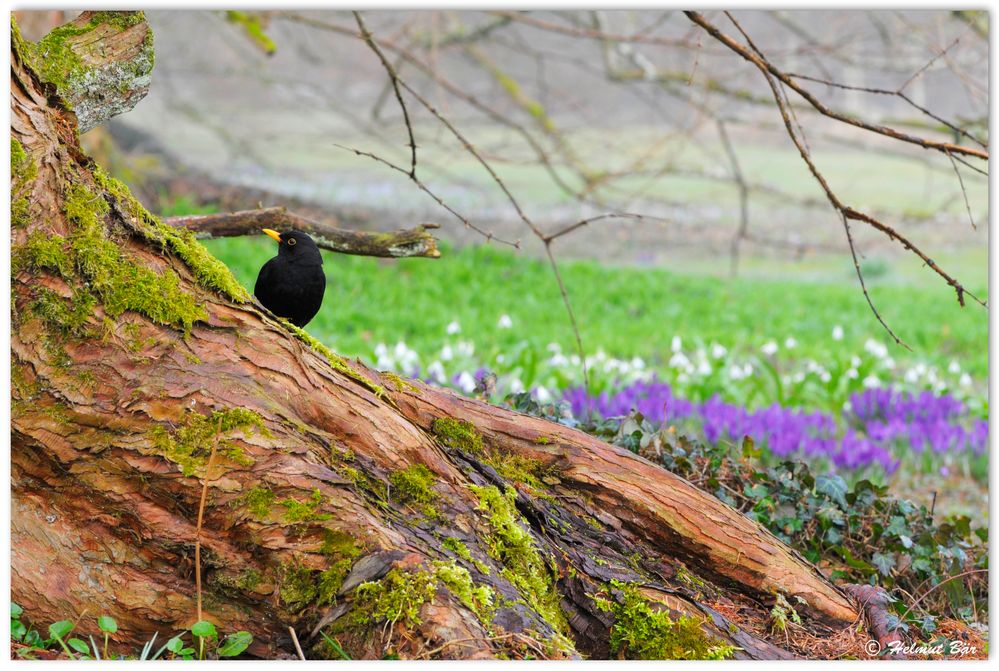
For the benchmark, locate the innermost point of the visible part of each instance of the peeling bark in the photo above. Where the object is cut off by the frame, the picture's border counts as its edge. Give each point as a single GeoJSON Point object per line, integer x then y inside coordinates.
{"type": "Point", "coordinates": [395, 516]}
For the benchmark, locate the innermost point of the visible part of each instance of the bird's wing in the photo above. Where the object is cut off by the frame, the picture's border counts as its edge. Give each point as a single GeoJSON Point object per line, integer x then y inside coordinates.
{"type": "Point", "coordinates": [264, 278]}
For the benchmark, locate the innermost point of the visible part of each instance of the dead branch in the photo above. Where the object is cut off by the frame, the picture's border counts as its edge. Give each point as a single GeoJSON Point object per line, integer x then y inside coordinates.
{"type": "Point", "coordinates": [415, 241]}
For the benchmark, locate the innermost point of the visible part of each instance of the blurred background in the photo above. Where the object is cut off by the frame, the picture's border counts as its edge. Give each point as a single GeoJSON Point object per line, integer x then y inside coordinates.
{"type": "Point", "coordinates": [720, 298]}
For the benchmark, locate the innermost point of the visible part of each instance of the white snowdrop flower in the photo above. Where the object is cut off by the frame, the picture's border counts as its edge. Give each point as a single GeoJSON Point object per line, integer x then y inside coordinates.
{"type": "Point", "coordinates": [931, 376]}
{"type": "Point", "coordinates": [790, 343]}
{"type": "Point", "coordinates": [679, 360]}
{"type": "Point", "coordinates": [465, 348]}
{"type": "Point", "coordinates": [574, 359]}
{"type": "Point", "coordinates": [543, 395]}
{"type": "Point", "coordinates": [682, 378]}
{"type": "Point", "coordinates": [466, 382]}
{"type": "Point", "coordinates": [889, 363]}
{"type": "Point", "coordinates": [852, 374]}
{"type": "Point", "coordinates": [798, 377]}
{"type": "Point", "coordinates": [876, 348]}
{"type": "Point", "coordinates": [436, 371]}
{"type": "Point", "coordinates": [558, 360]}
{"type": "Point", "coordinates": [871, 381]}
{"type": "Point", "coordinates": [965, 380]}
{"type": "Point", "coordinates": [554, 347]}
{"type": "Point", "coordinates": [837, 332]}
{"type": "Point", "coordinates": [703, 368]}
{"type": "Point", "coordinates": [637, 364]}
{"type": "Point", "coordinates": [500, 358]}
{"type": "Point", "coordinates": [385, 363]}
{"type": "Point", "coordinates": [769, 348]}
{"type": "Point", "coordinates": [381, 349]}
{"type": "Point", "coordinates": [718, 351]}
{"type": "Point", "coordinates": [447, 353]}
{"type": "Point", "coordinates": [825, 376]}
{"type": "Point", "coordinates": [911, 375]}
{"type": "Point", "coordinates": [855, 361]}
{"type": "Point", "coordinates": [954, 367]}
{"type": "Point", "coordinates": [847, 407]}
{"type": "Point", "coordinates": [453, 328]}
{"type": "Point", "coordinates": [516, 386]}
{"type": "Point", "coordinates": [735, 373]}
{"type": "Point", "coordinates": [747, 370]}
{"type": "Point", "coordinates": [677, 344]}
{"type": "Point", "coordinates": [505, 322]}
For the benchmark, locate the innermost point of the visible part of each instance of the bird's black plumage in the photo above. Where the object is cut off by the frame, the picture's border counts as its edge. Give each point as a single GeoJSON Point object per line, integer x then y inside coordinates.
{"type": "Point", "coordinates": [292, 284]}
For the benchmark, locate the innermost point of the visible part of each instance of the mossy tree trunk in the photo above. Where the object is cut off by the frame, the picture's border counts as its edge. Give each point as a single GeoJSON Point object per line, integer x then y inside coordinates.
{"type": "Point", "coordinates": [395, 517]}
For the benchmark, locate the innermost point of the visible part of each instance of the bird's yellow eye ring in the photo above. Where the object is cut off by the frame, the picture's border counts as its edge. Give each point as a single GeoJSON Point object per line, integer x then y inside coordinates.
{"type": "Point", "coordinates": [292, 242]}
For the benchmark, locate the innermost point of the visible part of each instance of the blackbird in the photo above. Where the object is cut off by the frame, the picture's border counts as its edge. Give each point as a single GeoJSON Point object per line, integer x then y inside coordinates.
{"type": "Point", "coordinates": [292, 284]}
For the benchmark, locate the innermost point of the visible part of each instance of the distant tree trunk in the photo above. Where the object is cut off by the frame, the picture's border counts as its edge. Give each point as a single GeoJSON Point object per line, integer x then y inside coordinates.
{"type": "Point", "coordinates": [141, 369]}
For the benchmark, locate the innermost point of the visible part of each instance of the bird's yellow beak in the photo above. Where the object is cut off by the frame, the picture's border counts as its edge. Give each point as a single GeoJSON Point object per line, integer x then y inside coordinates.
{"type": "Point", "coordinates": [272, 233]}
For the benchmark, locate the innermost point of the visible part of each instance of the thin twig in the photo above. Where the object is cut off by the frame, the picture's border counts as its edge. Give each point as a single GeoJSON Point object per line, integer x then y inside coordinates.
{"type": "Point", "coordinates": [201, 515]}
{"type": "Point", "coordinates": [366, 36]}
{"type": "Point", "coordinates": [964, 191]}
{"type": "Point", "coordinates": [298, 647]}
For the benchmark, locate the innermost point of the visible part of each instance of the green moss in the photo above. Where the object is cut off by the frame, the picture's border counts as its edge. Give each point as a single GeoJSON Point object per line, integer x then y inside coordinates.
{"type": "Point", "coordinates": [457, 435]}
{"type": "Point", "coordinates": [249, 580]}
{"type": "Point", "coordinates": [43, 251]}
{"type": "Point", "coordinates": [519, 469]}
{"type": "Point", "coordinates": [259, 501]}
{"type": "Point", "coordinates": [208, 271]}
{"type": "Point", "coordinates": [457, 547]}
{"type": "Point", "coordinates": [304, 511]}
{"type": "Point", "coordinates": [67, 317]}
{"type": "Point", "coordinates": [414, 485]}
{"type": "Point", "coordinates": [190, 445]}
{"type": "Point", "coordinates": [23, 172]}
{"type": "Point", "coordinates": [643, 632]}
{"type": "Point", "coordinates": [398, 597]}
{"type": "Point", "coordinates": [481, 599]}
{"type": "Point", "coordinates": [511, 544]}
{"type": "Point", "coordinates": [299, 586]}
{"type": "Point", "coordinates": [338, 544]}
{"type": "Point", "coordinates": [120, 282]}
{"type": "Point", "coordinates": [398, 383]}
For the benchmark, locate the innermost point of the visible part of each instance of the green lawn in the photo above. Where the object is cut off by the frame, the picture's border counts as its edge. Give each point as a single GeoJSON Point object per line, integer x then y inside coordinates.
{"type": "Point", "coordinates": [625, 311]}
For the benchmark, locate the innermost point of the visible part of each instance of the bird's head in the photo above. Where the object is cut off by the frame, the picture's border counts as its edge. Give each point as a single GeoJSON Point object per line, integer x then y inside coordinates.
{"type": "Point", "coordinates": [296, 246]}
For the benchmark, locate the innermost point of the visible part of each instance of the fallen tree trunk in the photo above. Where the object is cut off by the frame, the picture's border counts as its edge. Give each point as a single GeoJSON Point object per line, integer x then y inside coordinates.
{"type": "Point", "coordinates": [393, 516]}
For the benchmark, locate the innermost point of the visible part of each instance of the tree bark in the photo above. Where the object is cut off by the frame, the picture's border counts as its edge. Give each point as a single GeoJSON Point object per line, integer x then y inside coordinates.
{"type": "Point", "coordinates": [397, 517]}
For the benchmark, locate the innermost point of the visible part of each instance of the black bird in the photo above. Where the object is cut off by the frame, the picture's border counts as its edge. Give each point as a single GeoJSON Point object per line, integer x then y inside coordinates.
{"type": "Point", "coordinates": [292, 284]}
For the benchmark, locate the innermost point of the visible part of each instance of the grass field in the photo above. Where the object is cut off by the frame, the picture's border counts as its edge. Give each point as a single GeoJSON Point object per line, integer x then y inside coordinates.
{"type": "Point", "coordinates": [624, 311]}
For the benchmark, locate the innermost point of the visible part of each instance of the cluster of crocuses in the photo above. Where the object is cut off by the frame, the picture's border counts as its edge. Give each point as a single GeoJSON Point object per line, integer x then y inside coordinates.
{"type": "Point", "coordinates": [882, 424]}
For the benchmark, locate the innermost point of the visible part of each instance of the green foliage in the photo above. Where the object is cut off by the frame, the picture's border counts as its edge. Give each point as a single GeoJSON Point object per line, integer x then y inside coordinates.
{"type": "Point", "coordinates": [189, 445]}
{"type": "Point", "coordinates": [457, 434]}
{"type": "Point", "coordinates": [510, 543]}
{"type": "Point", "coordinates": [23, 171]}
{"type": "Point", "coordinates": [643, 632]}
{"type": "Point", "coordinates": [253, 28]}
{"type": "Point", "coordinates": [867, 534]}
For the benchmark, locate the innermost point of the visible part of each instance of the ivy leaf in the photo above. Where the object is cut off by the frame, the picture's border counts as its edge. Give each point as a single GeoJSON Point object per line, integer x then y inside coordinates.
{"type": "Point", "coordinates": [15, 610]}
{"type": "Point", "coordinates": [756, 492]}
{"type": "Point", "coordinates": [898, 527]}
{"type": "Point", "coordinates": [834, 487]}
{"type": "Point", "coordinates": [236, 643]}
{"type": "Point", "coordinates": [175, 644]}
{"type": "Point", "coordinates": [884, 563]}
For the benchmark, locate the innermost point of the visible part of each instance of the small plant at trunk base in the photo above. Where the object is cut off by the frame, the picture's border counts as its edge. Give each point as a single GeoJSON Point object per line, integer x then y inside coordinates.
{"type": "Point", "coordinates": [643, 632]}
{"type": "Point", "coordinates": [78, 649]}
